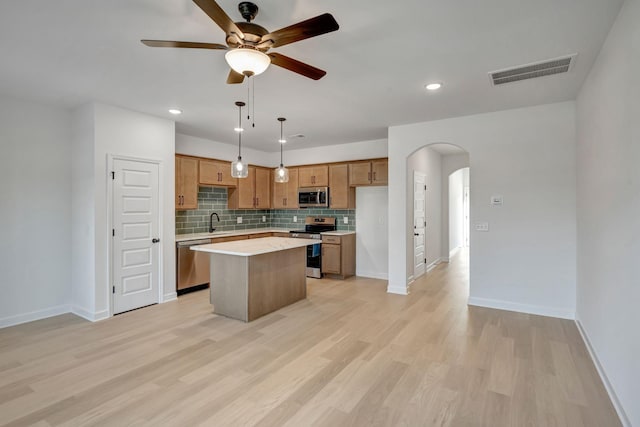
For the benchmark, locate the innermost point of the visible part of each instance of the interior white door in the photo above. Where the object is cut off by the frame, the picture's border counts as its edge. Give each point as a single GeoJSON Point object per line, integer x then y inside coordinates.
{"type": "Point", "coordinates": [419, 224]}
{"type": "Point", "coordinates": [135, 257]}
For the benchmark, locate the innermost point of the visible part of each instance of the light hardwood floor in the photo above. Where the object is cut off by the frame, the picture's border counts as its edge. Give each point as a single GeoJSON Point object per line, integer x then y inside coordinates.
{"type": "Point", "coordinates": [350, 354]}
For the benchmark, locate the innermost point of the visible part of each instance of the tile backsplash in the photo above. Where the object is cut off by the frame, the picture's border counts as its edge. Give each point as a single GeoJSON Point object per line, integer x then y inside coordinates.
{"type": "Point", "coordinates": [213, 199]}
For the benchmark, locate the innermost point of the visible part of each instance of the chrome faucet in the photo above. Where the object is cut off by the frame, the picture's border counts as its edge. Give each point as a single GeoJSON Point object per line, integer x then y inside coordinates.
{"type": "Point", "coordinates": [211, 227]}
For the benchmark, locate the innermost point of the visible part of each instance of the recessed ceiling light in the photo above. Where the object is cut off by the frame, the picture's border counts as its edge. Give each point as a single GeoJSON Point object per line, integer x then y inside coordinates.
{"type": "Point", "coordinates": [175, 111]}
{"type": "Point", "coordinates": [238, 129]}
{"type": "Point", "coordinates": [282, 140]}
{"type": "Point", "coordinates": [433, 86]}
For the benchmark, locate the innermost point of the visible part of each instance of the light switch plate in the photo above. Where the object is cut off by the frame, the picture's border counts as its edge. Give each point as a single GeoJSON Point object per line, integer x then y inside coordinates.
{"type": "Point", "coordinates": [295, 218]}
{"type": "Point", "coordinates": [482, 226]}
{"type": "Point", "coordinates": [264, 218]}
{"type": "Point", "coordinates": [345, 219]}
{"type": "Point", "coordinates": [239, 220]}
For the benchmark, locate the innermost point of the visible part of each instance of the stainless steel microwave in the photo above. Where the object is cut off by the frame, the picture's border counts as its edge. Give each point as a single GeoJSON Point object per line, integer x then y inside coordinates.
{"type": "Point", "coordinates": [313, 197]}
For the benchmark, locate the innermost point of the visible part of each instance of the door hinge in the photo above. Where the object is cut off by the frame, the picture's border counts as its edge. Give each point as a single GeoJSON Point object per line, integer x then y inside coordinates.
{"type": "Point", "coordinates": [425, 260]}
{"type": "Point", "coordinates": [113, 231]}
{"type": "Point", "coordinates": [113, 175]}
{"type": "Point", "coordinates": [113, 289]}
{"type": "Point", "coordinates": [425, 188]}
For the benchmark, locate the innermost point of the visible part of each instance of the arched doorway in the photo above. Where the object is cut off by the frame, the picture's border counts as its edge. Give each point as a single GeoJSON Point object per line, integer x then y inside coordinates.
{"type": "Point", "coordinates": [428, 172]}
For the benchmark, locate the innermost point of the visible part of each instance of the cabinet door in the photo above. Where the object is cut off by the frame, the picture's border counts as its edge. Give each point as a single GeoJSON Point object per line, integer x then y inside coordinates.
{"type": "Point", "coordinates": [305, 177]}
{"type": "Point", "coordinates": [263, 180]}
{"type": "Point", "coordinates": [330, 258]}
{"type": "Point", "coordinates": [291, 198]}
{"type": "Point", "coordinates": [246, 191]}
{"type": "Point", "coordinates": [379, 172]}
{"type": "Point", "coordinates": [214, 172]}
{"type": "Point", "coordinates": [341, 196]}
{"type": "Point", "coordinates": [321, 176]}
{"type": "Point", "coordinates": [313, 176]}
{"type": "Point", "coordinates": [280, 192]}
{"type": "Point", "coordinates": [360, 173]}
{"type": "Point", "coordinates": [186, 183]}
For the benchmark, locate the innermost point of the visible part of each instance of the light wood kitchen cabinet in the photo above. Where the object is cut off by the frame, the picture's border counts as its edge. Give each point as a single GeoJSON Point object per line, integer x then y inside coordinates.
{"type": "Point", "coordinates": [252, 192]}
{"type": "Point", "coordinates": [186, 183]}
{"type": "Point", "coordinates": [216, 172]}
{"type": "Point", "coordinates": [260, 235]}
{"type": "Point", "coordinates": [374, 172]}
{"type": "Point", "coordinates": [313, 176]}
{"type": "Point", "coordinates": [341, 195]}
{"type": "Point", "coordinates": [228, 239]}
{"type": "Point", "coordinates": [339, 255]}
{"type": "Point", "coordinates": [285, 194]}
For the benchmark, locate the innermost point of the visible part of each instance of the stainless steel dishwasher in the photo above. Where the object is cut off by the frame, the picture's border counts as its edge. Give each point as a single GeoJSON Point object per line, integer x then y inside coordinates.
{"type": "Point", "coordinates": [193, 266]}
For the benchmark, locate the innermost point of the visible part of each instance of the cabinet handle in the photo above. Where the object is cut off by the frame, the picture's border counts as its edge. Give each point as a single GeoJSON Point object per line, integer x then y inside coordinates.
{"type": "Point", "coordinates": [369, 176]}
{"type": "Point", "coordinates": [330, 200]}
{"type": "Point", "coordinates": [284, 202]}
{"type": "Point", "coordinates": [374, 176]}
{"type": "Point", "coordinates": [257, 201]}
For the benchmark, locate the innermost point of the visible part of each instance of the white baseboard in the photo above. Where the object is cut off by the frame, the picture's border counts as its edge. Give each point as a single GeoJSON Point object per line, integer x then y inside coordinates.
{"type": "Point", "coordinates": [90, 315]}
{"type": "Point", "coordinates": [18, 319]}
{"type": "Point", "coordinates": [169, 297]}
{"type": "Point", "coordinates": [603, 376]}
{"type": "Point", "coordinates": [433, 264]}
{"type": "Point", "coordinates": [398, 290]}
{"type": "Point", "coordinates": [372, 275]}
{"type": "Point", "coordinates": [563, 313]}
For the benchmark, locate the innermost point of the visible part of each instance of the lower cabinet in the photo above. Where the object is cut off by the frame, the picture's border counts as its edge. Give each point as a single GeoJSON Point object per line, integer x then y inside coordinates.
{"type": "Point", "coordinates": [339, 255]}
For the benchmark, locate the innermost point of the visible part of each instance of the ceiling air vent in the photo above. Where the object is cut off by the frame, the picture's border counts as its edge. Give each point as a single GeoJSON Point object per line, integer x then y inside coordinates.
{"type": "Point", "coordinates": [532, 71]}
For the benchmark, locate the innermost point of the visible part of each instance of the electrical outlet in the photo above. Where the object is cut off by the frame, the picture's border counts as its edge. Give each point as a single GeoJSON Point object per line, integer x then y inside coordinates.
{"type": "Point", "coordinates": [482, 226]}
{"type": "Point", "coordinates": [239, 220]}
{"type": "Point", "coordinates": [264, 218]}
{"type": "Point", "coordinates": [295, 218]}
{"type": "Point", "coordinates": [345, 219]}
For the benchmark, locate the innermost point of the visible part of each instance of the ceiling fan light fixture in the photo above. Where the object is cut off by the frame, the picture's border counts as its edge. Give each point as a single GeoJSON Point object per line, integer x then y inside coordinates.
{"type": "Point", "coordinates": [247, 61]}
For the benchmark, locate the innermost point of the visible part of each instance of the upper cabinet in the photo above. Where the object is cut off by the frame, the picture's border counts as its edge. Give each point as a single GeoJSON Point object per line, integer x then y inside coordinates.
{"type": "Point", "coordinates": [341, 195]}
{"type": "Point", "coordinates": [373, 172]}
{"type": "Point", "coordinates": [186, 183]}
{"type": "Point", "coordinates": [285, 194]}
{"type": "Point", "coordinates": [313, 176]}
{"type": "Point", "coordinates": [216, 172]}
{"type": "Point", "coordinates": [252, 192]}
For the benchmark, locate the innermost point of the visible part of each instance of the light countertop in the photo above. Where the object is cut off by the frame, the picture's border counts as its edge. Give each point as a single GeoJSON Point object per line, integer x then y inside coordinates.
{"type": "Point", "coordinates": [252, 247]}
{"type": "Point", "coordinates": [196, 236]}
{"type": "Point", "coordinates": [337, 233]}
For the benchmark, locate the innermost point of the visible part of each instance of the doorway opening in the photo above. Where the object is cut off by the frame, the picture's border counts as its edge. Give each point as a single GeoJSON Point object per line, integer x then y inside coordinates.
{"type": "Point", "coordinates": [438, 208]}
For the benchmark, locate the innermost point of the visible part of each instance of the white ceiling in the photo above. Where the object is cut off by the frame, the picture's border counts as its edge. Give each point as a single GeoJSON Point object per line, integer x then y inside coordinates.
{"type": "Point", "coordinates": [69, 52]}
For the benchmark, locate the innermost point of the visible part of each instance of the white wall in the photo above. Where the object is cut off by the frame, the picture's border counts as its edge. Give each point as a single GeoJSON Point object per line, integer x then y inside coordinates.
{"type": "Point", "coordinates": [35, 211]}
{"type": "Point", "coordinates": [608, 157]}
{"type": "Point", "coordinates": [190, 145]}
{"type": "Point", "coordinates": [372, 239]}
{"type": "Point", "coordinates": [125, 133]}
{"type": "Point", "coordinates": [456, 194]}
{"type": "Point", "coordinates": [450, 164]}
{"type": "Point", "coordinates": [526, 261]}
{"type": "Point", "coordinates": [428, 162]}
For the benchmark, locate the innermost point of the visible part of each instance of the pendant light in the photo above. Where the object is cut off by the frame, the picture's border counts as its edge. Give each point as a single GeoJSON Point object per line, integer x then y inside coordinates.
{"type": "Point", "coordinates": [239, 169]}
{"type": "Point", "coordinates": [281, 173]}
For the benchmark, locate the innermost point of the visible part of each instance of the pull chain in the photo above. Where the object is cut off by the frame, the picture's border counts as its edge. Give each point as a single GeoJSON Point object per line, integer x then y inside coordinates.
{"type": "Point", "coordinates": [253, 103]}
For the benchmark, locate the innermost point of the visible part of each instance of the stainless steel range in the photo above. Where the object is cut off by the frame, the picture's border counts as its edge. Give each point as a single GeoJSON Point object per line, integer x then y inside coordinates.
{"type": "Point", "coordinates": [313, 226]}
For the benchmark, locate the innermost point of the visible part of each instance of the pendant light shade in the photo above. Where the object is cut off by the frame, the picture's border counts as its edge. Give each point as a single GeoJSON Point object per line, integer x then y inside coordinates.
{"type": "Point", "coordinates": [239, 169]}
{"type": "Point", "coordinates": [247, 61]}
{"type": "Point", "coordinates": [281, 173]}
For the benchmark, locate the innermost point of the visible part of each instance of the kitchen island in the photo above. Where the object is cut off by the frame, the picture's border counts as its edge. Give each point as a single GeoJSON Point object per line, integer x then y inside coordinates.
{"type": "Point", "coordinates": [251, 278]}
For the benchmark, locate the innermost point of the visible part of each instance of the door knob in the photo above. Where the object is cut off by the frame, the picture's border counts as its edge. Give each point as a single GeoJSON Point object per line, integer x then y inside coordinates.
{"type": "Point", "coordinates": [155, 240]}
{"type": "Point", "coordinates": [415, 234]}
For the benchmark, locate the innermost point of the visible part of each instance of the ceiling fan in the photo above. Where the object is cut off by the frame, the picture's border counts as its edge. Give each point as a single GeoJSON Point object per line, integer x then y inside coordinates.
{"type": "Point", "coordinates": [248, 43]}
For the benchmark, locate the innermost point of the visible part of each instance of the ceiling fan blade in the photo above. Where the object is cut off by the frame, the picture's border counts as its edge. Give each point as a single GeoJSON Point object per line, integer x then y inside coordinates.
{"type": "Point", "coordinates": [219, 16]}
{"type": "Point", "coordinates": [192, 45]}
{"type": "Point", "coordinates": [234, 78]}
{"type": "Point", "coordinates": [296, 66]}
{"type": "Point", "coordinates": [321, 24]}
